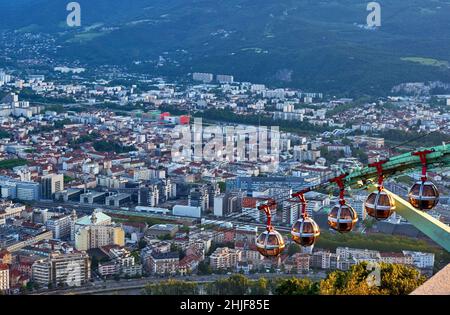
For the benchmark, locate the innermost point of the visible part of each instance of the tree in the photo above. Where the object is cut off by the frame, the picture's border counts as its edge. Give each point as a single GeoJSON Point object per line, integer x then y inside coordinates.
{"type": "Point", "coordinates": [347, 283]}
{"type": "Point", "coordinates": [297, 286]}
{"type": "Point", "coordinates": [137, 255]}
{"type": "Point", "coordinates": [293, 249]}
{"type": "Point", "coordinates": [222, 186]}
{"type": "Point", "coordinates": [110, 146]}
{"type": "Point", "coordinates": [165, 237]}
{"type": "Point", "coordinates": [204, 268]}
{"type": "Point", "coordinates": [395, 280]}
{"type": "Point", "coordinates": [399, 279]}
{"type": "Point", "coordinates": [260, 287]}
{"type": "Point", "coordinates": [347, 141]}
{"type": "Point", "coordinates": [174, 247]}
{"type": "Point", "coordinates": [172, 287]}
{"type": "Point", "coordinates": [94, 262]}
{"type": "Point", "coordinates": [361, 155]}
{"type": "Point", "coordinates": [11, 163]}
{"type": "Point", "coordinates": [142, 243]}
{"type": "Point", "coordinates": [234, 285]}
{"type": "Point", "coordinates": [4, 134]}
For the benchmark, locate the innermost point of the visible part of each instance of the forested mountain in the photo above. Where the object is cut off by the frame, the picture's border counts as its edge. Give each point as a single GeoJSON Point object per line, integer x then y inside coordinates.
{"type": "Point", "coordinates": [310, 44]}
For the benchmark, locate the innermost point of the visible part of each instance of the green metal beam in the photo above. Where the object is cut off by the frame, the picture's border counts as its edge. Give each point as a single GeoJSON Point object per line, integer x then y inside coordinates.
{"type": "Point", "coordinates": [361, 178]}
{"type": "Point", "coordinates": [440, 157]}
{"type": "Point", "coordinates": [428, 225]}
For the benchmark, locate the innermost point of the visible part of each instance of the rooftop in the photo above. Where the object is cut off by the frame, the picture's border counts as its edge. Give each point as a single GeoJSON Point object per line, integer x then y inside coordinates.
{"type": "Point", "coordinates": [164, 227]}
{"type": "Point", "coordinates": [101, 217]}
{"type": "Point", "coordinates": [170, 255]}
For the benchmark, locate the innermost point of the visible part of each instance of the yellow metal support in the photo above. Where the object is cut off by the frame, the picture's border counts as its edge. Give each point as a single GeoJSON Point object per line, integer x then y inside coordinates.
{"type": "Point", "coordinates": [428, 225]}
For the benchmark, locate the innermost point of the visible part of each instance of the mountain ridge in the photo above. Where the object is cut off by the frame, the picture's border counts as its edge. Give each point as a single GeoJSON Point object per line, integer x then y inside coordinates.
{"type": "Point", "coordinates": [321, 45]}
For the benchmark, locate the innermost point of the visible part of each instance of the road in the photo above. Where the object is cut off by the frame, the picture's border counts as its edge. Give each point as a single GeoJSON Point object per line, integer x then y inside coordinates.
{"type": "Point", "coordinates": [136, 285]}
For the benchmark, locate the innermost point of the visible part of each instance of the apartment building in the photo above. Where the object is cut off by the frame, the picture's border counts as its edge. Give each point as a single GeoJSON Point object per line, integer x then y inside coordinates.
{"type": "Point", "coordinates": [396, 258]}
{"type": "Point", "coordinates": [163, 263]}
{"type": "Point", "coordinates": [62, 269]}
{"type": "Point", "coordinates": [225, 258]}
{"type": "Point", "coordinates": [4, 277]}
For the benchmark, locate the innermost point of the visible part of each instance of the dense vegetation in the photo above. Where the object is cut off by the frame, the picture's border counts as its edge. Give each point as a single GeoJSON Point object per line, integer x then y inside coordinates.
{"type": "Point", "coordinates": [10, 164]}
{"type": "Point", "coordinates": [394, 280]}
{"type": "Point", "coordinates": [4, 134]}
{"type": "Point", "coordinates": [29, 95]}
{"type": "Point", "coordinates": [107, 146]}
{"type": "Point", "coordinates": [414, 139]}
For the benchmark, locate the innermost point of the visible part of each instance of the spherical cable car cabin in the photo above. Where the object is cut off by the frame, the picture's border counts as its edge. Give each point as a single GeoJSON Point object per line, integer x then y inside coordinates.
{"type": "Point", "coordinates": [342, 216]}
{"type": "Point", "coordinates": [270, 243]}
{"type": "Point", "coordinates": [423, 195]}
{"type": "Point", "coordinates": [305, 231]}
{"type": "Point", "coordinates": [380, 204]}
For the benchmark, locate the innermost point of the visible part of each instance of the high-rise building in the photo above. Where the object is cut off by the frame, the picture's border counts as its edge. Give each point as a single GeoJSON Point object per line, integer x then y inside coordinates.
{"type": "Point", "coordinates": [96, 236]}
{"type": "Point", "coordinates": [360, 254]}
{"type": "Point", "coordinates": [163, 263]}
{"type": "Point", "coordinates": [290, 212]}
{"type": "Point", "coordinates": [221, 205]}
{"type": "Point", "coordinates": [199, 197]}
{"type": "Point", "coordinates": [69, 269]}
{"type": "Point", "coordinates": [50, 184]}
{"type": "Point", "coordinates": [224, 258]}
{"type": "Point", "coordinates": [39, 216]}
{"type": "Point", "coordinates": [301, 261]}
{"type": "Point", "coordinates": [148, 196]}
{"type": "Point", "coordinates": [5, 257]}
{"type": "Point", "coordinates": [60, 225]}
{"type": "Point", "coordinates": [420, 259]}
{"type": "Point", "coordinates": [166, 190]}
{"type": "Point", "coordinates": [321, 259]}
{"type": "Point", "coordinates": [358, 204]}
{"type": "Point", "coordinates": [204, 77]}
{"type": "Point", "coordinates": [97, 230]}
{"type": "Point", "coordinates": [4, 277]}
{"type": "Point", "coordinates": [223, 78]}
{"type": "Point", "coordinates": [15, 189]}
{"type": "Point", "coordinates": [4, 78]}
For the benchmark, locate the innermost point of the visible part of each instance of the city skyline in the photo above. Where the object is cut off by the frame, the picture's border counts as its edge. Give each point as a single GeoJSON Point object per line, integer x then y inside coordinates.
{"type": "Point", "coordinates": [158, 148]}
